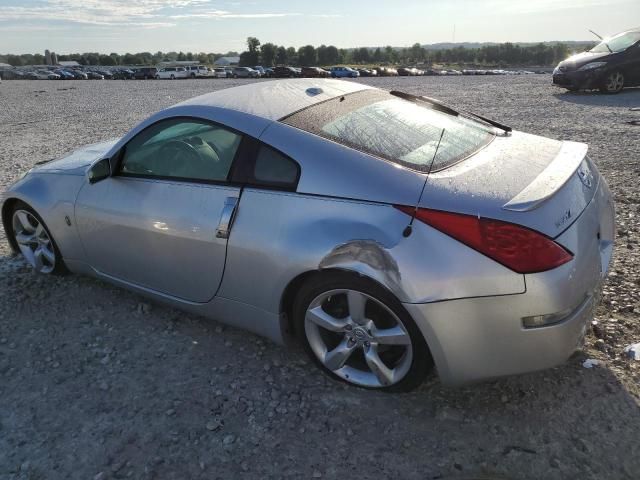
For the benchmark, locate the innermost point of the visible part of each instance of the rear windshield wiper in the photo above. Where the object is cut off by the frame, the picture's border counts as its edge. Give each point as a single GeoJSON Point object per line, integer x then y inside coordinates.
{"type": "Point", "coordinates": [441, 107]}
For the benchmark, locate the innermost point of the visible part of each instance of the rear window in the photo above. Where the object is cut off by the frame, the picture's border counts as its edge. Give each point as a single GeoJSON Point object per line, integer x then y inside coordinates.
{"type": "Point", "coordinates": [395, 129]}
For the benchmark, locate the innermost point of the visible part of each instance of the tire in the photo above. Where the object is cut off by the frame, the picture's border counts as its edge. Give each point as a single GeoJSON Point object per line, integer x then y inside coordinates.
{"type": "Point", "coordinates": [30, 234]}
{"type": "Point", "coordinates": [613, 82]}
{"type": "Point", "coordinates": [400, 366]}
{"type": "Point", "coordinates": [235, 76]}
{"type": "Point", "coordinates": [172, 77]}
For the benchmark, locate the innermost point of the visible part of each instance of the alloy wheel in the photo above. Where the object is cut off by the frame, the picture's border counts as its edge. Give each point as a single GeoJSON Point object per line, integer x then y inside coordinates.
{"type": "Point", "coordinates": [615, 82]}
{"type": "Point", "coordinates": [358, 338]}
{"type": "Point", "coordinates": [34, 241]}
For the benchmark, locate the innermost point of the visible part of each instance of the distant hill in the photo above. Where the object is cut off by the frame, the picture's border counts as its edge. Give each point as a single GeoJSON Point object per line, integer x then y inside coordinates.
{"type": "Point", "coordinates": [450, 45]}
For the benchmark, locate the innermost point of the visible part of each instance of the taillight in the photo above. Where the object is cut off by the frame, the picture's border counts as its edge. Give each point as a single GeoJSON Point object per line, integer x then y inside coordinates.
{"type": "Point", "coordinates": [519, 248]}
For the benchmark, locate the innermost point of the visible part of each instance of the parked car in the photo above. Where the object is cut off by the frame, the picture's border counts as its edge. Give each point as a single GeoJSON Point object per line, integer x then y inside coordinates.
{"type": "Point", "coordinates": [64, 75]}
{"type": "Point", "coordinates": [219, 73]}
{"type": "Point", "coordinates": [380, 279]}
{"type": "Point", "coordinates": [123, 74]}
{"type": "Point", "coordinates": [260, 70]}
{"type": "Point", "coordinates": [145, 73]}
{"type": "Point", "coordinates": [386, 72]}
{"type": "Point", "coordinates": [245, 72]}
{"type": "Point", "coordinates": [197, 71]}
{"type": "Point", "coordinates": [609, 66]}
{"type": "Point", "coordinates": [285, 72]}
{"type": "Point", "coordinates": [78, 75]}
{"type": "Point", "coordinates": [407, 71]}
{"type": "Point", "coordinates": [91, 75]}
{"type": "Point", "coordinates": [314, 72]}
{"type": "Point", "coordinates": [367, 72]}
{"type": "Point", "coordinates": [107, 74]}
{"type": "Point", "coordinates": [268, 72]}
{"type": "Point", "coordinates": [45, 75]}
{"type": "Point", "coordinates": [171, 73]}
{"type": "Point", "coordinates": [344, 72]}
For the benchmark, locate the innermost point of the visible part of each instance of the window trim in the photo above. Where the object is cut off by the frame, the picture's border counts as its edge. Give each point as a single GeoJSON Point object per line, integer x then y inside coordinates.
{"type": "Point", "coordinates": [243, 174]}
{"type": "Point", "coordinates": [239, 174]}
{"type": "Point", "coordinates": [118, 158]}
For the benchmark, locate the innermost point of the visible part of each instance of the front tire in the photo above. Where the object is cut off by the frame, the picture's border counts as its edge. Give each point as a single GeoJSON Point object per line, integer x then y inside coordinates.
{"type": "Point", "coordinates": [358, 332]}
{"type": "Point", "coordinates": [36, 244]}
{"type": "Point", "coordinates": [613, 82]}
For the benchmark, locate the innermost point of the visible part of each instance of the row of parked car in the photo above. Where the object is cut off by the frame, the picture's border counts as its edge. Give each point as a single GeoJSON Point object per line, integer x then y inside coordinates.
{"type": "Point", "coordinates": [202, 71]}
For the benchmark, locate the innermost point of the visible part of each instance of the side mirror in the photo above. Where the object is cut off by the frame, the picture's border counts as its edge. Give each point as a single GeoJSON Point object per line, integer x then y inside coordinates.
{"type": "Point", "coordinates": [100, 171]}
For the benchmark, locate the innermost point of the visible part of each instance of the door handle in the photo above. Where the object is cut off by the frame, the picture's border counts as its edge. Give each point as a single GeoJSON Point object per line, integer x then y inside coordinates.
{"type": "Point", "coordinates": [226, 217]}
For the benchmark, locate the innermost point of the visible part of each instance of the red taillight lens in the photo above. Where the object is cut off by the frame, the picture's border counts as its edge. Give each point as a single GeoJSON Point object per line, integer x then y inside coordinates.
{"type": "Point", "coordinates": [518, 248]}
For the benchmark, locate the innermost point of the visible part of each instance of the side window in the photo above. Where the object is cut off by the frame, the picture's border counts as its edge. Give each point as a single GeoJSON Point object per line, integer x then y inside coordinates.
{"type": "Point", "coordinates": [181, 148]}
{"type": "Point", "coordinates": [272, 168]}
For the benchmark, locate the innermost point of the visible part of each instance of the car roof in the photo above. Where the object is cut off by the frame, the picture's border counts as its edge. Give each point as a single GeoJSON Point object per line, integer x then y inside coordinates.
{"type": "Point", "coordinates": [276, 99]}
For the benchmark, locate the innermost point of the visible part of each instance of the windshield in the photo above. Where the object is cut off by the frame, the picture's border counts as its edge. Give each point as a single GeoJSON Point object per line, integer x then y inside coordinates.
{"type": "Point", "coordinates": [617, 43]}
{"type": "Point", "coordinates": [398, 130]}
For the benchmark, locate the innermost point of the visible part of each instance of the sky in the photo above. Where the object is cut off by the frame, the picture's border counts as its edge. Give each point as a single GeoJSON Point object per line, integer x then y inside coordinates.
{"type": "Point", "coordinates": [105, 26]}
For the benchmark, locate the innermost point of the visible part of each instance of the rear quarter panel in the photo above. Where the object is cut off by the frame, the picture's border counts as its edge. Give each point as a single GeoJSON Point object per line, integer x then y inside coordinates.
{"type": "Point", "coordinates": [278, 236]}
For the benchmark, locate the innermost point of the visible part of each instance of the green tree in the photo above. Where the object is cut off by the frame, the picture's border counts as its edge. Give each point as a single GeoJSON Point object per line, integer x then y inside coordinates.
{"type": "Point", "coordinates": [361, 55]}
{"type": "Point", "coordinates": [281, 56]}
{"type": "Point", "coordinates": [268, 53]}
{"type": "Point", "coordinates": [251, 57]}
{"type": "Point", "coordinates": [292, 56]}
{"type": "Point", "coordinates": [106, 60]}
{"type": "Point", "coordinates": [307, 56]}
{"type": "Point", "coordinates": [332, 55]}
{"type": "Point", "coordinates": [417, 52]}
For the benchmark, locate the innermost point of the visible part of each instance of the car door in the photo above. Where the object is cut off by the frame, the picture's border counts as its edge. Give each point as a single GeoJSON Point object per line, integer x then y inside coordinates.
{"type": "Point", "coordinates": [633, 64]}
{"type": "Point", "coordinates": [162, 219]}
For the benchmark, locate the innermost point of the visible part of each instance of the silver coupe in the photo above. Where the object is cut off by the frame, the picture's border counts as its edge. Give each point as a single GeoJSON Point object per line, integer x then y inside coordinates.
{"type": "Point", "coordinates": [388, 232]}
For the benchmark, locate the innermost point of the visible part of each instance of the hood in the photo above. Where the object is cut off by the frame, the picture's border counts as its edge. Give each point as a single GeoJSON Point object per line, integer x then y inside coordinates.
{"type": "Point", "coordinates": [580, 59]}
{"type": "Point", "coordinates": [76, 162]}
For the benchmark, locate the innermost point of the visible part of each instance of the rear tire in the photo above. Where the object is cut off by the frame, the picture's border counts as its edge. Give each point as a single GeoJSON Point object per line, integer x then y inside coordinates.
{"type": "Point", "coordinates": [383, 347]}
{"type": "Point", "coordinates": [34, 241]}
{"type": "Point", "coordinates": [613, 82]}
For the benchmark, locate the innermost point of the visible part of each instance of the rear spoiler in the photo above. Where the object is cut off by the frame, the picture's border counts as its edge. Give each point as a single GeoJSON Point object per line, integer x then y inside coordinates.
{"type": "Point", "coordinates": [551, 179]}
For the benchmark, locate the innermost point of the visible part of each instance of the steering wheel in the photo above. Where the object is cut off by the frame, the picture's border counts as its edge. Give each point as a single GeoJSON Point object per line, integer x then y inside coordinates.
{"type": "Point", "coordinates": [175, 155]}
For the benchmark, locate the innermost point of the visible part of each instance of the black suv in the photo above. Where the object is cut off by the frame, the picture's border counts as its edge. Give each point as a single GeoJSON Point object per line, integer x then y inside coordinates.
{"type": "Point", "coordinates": [285, 72]}
{"type": "Point", "coordinates": [145, 73]}
{"type": "Point", "coordinates": [609, 66]}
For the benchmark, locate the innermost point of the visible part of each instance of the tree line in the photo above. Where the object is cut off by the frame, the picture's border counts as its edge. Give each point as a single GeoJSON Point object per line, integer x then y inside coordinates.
{"type": "Point", "coordinates": [270, 54]}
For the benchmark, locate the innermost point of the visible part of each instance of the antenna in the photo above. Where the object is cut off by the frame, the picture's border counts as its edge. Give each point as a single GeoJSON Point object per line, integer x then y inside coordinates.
{"type": "Point", "coordinates": [596, 34]}
{"type": "Point", "coordinates": [407, 231]}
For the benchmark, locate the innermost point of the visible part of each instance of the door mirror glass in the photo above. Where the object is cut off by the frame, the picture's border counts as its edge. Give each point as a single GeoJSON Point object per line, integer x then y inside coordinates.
{"type": "Point", "coordinates": [100, 171]}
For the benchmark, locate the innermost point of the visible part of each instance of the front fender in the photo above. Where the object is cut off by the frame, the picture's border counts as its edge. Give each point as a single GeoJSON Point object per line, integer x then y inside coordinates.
{"type": "Point", "coordinates": [53, 197]}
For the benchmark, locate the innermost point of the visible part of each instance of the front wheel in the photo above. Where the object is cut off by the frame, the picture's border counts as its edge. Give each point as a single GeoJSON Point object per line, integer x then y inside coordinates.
{"type": "Point", "coordinates": [358, 332]}
{"type": "Point", "coordinates": [34, 241]}
{"type": "Point", "coordinates": [613, 82]}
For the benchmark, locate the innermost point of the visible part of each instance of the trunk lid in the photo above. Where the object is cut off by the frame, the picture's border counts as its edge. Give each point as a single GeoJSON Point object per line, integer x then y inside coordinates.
{"type": "Point", "coordinates": [525, 179]}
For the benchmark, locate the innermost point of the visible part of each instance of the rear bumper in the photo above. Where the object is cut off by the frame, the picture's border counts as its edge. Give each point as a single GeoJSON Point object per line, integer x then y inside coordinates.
{"type": "Point", "coordinates": [483, 338]}
{"type": "Point", "coordinates": [475, 339]}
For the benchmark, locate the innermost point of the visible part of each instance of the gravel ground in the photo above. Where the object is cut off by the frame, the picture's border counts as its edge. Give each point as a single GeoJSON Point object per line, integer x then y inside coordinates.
{"type": "Point", "coordinates": [97, 383]}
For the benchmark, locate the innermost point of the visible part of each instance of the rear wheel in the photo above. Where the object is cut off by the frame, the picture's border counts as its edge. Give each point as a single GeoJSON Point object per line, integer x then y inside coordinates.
{"type": "Point", "coordinates": [173, 77]}
{"type": "Point", "coordinates": [358, 332]}
{"type": "Point", "coordinates": [35, 241]}
{"type": "Point", "coordinates": [613, 82]}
